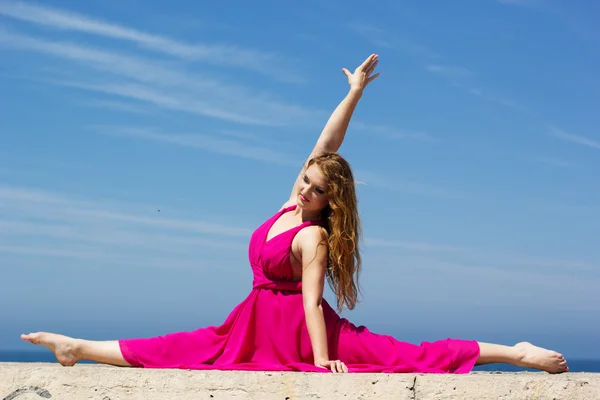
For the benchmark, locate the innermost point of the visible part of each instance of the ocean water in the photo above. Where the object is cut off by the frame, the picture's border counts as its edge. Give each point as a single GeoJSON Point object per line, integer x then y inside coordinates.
{"type": "Point", "coordinates": [47, 356]}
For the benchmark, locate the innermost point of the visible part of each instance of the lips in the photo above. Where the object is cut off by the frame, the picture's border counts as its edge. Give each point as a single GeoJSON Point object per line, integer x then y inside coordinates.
{"type": "Point", "coordinates": [304, 199]}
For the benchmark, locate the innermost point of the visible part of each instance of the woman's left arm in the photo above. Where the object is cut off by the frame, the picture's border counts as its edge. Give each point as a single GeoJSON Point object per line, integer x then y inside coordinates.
{"type": "Point", "coordinates": [314, 263]}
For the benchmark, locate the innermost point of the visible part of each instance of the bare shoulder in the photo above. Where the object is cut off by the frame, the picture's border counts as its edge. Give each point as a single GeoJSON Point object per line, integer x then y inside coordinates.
{"type": "Point", "coordinates": [287, 204]}
{"type": "Point", "coordinates": [311, 236]}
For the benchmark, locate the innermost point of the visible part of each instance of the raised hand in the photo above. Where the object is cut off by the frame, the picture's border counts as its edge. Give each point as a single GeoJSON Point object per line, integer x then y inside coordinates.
{"type": "Point", "coordinates": [362, 74]}
{"type": "Point", "coordinates": [336, 366]}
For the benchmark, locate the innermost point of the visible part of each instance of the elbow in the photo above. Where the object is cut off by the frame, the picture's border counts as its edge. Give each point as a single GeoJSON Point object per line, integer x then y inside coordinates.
{"type": "Point", "coordinates": [312, 305]}
{"type": "Point", "coordinates": [329, 145]}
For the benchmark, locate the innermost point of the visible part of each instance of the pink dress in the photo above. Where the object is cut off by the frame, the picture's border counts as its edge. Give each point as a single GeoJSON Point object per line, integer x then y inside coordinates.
{"type": "Point", "coordinates": [267, 331]}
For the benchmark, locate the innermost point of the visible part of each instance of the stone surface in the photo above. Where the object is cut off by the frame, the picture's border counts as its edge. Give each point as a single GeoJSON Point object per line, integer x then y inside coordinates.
{"type": "Point", "coordinates": [509, 386]}
{"type": "Point", "coordinates": [22, 381]}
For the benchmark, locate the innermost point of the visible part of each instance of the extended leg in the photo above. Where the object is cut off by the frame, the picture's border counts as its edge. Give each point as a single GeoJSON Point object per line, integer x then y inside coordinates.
{"type": "Point", "coordinates": [522, 354]}
{"type": "Point", "coordinates": [68, 350]}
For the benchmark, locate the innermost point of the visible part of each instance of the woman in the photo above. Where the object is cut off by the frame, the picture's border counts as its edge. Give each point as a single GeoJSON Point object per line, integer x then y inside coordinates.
{"type": "Point", "coordinates": [285, 324]}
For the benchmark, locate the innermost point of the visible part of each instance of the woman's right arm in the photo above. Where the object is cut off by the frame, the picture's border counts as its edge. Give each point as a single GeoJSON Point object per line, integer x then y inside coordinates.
{"type": "Point", "coordinates": [333, 133]}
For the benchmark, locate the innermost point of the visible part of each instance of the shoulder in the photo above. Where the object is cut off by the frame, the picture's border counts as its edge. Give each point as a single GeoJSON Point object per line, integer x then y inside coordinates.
{"type": "Point", "coordinates": [311, 237]}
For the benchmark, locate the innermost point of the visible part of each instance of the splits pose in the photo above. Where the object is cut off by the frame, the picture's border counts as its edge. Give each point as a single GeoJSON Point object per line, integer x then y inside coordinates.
{"type": "Point", "coordinates": [285, 324]}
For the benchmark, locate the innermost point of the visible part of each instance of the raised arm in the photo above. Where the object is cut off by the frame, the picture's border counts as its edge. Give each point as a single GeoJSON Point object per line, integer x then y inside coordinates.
{"type": "Point", "coordinates": [333, 133]}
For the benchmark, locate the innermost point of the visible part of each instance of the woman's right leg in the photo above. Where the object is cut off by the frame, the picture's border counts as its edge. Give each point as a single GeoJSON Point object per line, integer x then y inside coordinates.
{"type": "Point", "coordinates": [69, 350]}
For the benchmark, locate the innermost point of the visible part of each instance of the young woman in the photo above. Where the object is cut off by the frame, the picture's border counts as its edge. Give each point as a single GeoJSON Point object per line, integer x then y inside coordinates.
{"type": "Point", "coordinates": [284, 324]}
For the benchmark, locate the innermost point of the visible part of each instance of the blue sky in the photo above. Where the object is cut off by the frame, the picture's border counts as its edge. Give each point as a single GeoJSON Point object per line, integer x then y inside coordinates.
{"type": "Point", "coordinates": [141, 144]}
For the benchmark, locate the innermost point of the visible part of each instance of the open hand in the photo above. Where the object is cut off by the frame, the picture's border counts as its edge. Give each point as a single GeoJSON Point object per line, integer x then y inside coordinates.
{"type": "Point", "coordinates": [336, 366]}
{"type": "Point", "coordinates": [362, 74]}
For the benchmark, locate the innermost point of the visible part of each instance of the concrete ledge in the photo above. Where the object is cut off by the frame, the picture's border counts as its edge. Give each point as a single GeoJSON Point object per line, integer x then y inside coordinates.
{"type": "Point", "coordinates": [22, 381]}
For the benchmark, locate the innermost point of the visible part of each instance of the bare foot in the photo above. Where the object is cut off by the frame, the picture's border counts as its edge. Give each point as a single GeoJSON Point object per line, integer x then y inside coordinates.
{"type": "Point", "coordinates": [64, 348]}
{"type": "Point", "coordinates": [531, 356]}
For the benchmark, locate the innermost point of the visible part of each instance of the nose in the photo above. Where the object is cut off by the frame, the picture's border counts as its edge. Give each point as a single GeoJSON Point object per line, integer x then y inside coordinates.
{"type": "Point", "coordinates": [305, 190]}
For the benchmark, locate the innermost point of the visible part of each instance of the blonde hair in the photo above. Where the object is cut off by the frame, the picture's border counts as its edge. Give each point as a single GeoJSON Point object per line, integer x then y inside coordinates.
{"type": "Point", "coordinates": [342, 223]}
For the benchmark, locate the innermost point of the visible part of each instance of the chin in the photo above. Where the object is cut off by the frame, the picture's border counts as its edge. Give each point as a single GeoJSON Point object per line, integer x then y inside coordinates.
{"type": "Point", "coordinates": [300, 203]}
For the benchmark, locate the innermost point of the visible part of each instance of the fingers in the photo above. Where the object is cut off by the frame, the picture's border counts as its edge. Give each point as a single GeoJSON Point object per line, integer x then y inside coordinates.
{"type": "Point", "coordinates": [338, 367]}
{"type": "Point", "coordinates": [371, 67]}
{"type": "Point", "coordinates": [371, 79]}
{"type": "Point", "coordinates": [345, 71]}
{"type": "Point", "coordinates": [368, 61]}
{"type": "Point", "coordinates": [344, 368]}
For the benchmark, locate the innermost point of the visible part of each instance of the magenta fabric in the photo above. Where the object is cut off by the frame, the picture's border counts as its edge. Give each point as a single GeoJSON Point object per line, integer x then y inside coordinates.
{"type": "Point", "coordinates": [267, 331]}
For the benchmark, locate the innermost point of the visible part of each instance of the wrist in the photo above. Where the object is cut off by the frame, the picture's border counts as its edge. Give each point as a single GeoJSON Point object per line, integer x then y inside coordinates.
{"type": "Point", "coordinates": [321, 360]}
{"type": "Point", "coordinates": [355, 91]}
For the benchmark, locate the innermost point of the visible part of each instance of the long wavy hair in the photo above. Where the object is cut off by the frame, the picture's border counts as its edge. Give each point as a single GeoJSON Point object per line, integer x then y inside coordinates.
{"type": "Point", "coordinates": [342, 223]}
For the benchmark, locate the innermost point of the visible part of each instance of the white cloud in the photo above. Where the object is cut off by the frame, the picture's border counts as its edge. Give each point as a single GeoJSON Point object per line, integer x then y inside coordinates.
{"type": "Point", "coordinates": [553, 162]}
{"type": "Point", "coordinates": [209, 143]}
{"type": "Point", "coordinates": [41, 223]}
{"type": "Point", "coordinates": [80, 227]}
{"type": "Point", "coordinates": [383, 38]}
{"type": "Point", "coordinates": [397, 185]}
{"type": "Point", "coordinates": [519, 2]}
{"type": "Point", "coordinates": [38, 222]}
{"type": "Point", "coordinates": [186, 102]}
{"type": "Point", "coordinates": [494, 98]}
{"type": "Point", "coordinates": [43, 205]}
{"type": "Point", "coordinates": [581, 140]}
{"type": "Point", "coordinates": [391, 133]}
{"type": "Point", "coordinates": [165, 86]}
{"type": "Point", "coordinates": [448, 71]}
{"type": "Point", "coordinates": [53, 252]}
{"type": "Point", "coordinates": [117, 106]}
{"type": "Point", "coordinates": [263, 62]}
{"type": "Point", "coordinates": [416, 246]}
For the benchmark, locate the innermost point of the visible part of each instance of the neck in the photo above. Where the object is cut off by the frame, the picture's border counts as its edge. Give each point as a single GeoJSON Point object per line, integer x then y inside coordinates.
{"type": "Point", "coordinates": [308, 215]}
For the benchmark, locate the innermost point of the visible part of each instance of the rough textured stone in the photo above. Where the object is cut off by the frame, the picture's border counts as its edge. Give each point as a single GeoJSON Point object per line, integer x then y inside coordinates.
{"type": "Point", "coordinates": [22, 381]}
{"type": "Point", "coordinates": [509, 386]}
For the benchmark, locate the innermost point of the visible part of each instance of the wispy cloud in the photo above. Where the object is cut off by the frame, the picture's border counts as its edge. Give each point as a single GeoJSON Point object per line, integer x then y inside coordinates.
{"type": "Point", "coordinates": [578, 210]}
{"type": "Point", "coordinates": [494, 98]}
{"type": "Point", "coordinates": [44, 251]}
{"type": "Point", "coordinates": [229, 147]}
{"type": "Point", "coordinates": [448, 71]}
{"type": "Point", "coordinates": [54, 206]}
{"type": "Point", "coordinates": [164, 86]}
{"type": "Point", "coordinates": [490, 281]}
{"type": "Point", "coordinates": [38, 222]}
{"type": "Point", "coordinates": [116, 106]}
{"type": "Point", "coordinates": [457, 75]}
{"type": "Point", "coordinates": [519, 2]}
{"type": "Point", "coordinates": [234, 56]}
{"type": "Point", "coordinates": [159, 83]}
{"type": "Point", "coordinates": [251, 147]}
{"type": "Point", "coordinates": [397, 185]}
{"type": "Point", "coordinates": [185, 102]}
{"type": "Point", "coordinates": [569, 137]}
{"type": "Point", "coordinates": [465, 79]}
{"type": "Point", "coordinates": [416, 246]}
{"type": "Point", "coordinates": [128, 236]}
{"type": "Point", "coordinates": [552, 162]}
{"type": "Point", "coordinates": [392, 133]}
{"type": "Point", "coordinates": [579, 20]}
{"type": "Point", "coordinates": [485, 258]}
{"type": "Point", "coordinates": [388, 40]}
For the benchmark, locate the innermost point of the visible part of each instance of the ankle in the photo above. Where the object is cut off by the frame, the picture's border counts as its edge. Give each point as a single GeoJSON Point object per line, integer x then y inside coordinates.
{"type": "Point", "coordinates": [520, 351]}
{"type": "Point", "coordinates": [78, 348]}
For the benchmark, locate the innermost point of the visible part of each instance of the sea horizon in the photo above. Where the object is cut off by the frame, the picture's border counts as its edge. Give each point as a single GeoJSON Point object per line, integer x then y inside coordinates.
{"type": "Point", "coordinates": [40, 356]}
